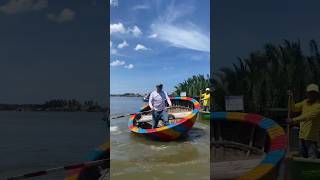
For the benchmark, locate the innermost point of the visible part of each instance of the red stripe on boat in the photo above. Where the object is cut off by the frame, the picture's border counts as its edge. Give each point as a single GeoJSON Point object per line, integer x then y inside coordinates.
{"type": "Point", "coordinates": [253, 118]}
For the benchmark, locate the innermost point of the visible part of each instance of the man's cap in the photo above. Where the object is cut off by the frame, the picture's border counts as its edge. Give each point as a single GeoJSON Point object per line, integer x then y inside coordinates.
{"type": "Point", "coordinates": [312, 87]}
{"type": "Point", "coordinates": [207, 89]}
{"type": "Point", "coordinates": [159, 85]}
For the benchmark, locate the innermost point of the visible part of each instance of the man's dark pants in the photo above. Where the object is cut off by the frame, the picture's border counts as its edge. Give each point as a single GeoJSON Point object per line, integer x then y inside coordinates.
{"type": "Point", "coordinates": [157, 115]}
{"type": "Point", "coordinates": [308, 149]}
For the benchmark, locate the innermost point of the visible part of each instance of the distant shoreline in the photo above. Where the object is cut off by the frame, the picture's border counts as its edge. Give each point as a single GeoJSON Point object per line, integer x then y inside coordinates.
{"type": "Point", "coordinates": [127, 95]}
{"type": "Point", "coordinates": [56, 105]}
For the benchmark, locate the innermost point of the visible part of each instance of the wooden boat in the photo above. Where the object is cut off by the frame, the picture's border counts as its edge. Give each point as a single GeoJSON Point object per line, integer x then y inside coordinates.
{"type": "Point", "coordinates": [184, 111]}
{"type": "Point", "coordinates": [94, 172]}
{"type": "Point", "coordinates": [302, 168]}
{"type": "Point", "coordinates": [246, 146]}
{"type": "Point", "coordinates": [295, 167]}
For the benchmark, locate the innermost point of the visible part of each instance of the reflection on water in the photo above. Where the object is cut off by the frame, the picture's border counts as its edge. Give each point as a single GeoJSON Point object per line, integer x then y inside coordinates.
{"type": "Point", "coordinates": [33, 141]}
{"type": "Point", "coordinates": [140, 158]}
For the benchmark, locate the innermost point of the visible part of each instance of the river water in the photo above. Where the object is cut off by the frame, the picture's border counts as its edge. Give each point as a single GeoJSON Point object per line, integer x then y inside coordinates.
{"type": "Point", "coordinates": [32, 141]}
{"type": "Point", "coordinates": [135, 157]}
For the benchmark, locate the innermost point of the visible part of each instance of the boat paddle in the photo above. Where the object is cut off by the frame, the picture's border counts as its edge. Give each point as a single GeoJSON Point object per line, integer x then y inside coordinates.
{"type": "Point", "coordinates": [57, 169]}
{"type": "Point", "coordinates": [125, 115]}
{"type": "Point", "coordinates": [287, 157]}
{"type": "Point", "coordinates": [288, 124]}
{"type": "Point", "coordinates": [143, 112]}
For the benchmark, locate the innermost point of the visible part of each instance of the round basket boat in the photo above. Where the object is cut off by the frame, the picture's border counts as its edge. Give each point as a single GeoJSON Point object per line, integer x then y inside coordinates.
{"type": "Point", "coordinates": [183, 115]}
{"type": "Point", "coordinates": [246, 146]}
{"type": "Point", "coordinates": [94, 172]}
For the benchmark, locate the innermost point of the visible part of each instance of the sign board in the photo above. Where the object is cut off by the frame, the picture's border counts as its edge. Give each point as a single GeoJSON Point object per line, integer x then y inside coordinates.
{"type": "Point", "coordinates": [183, 94]}
{"type": "Point", "coordinates": [234, 103]}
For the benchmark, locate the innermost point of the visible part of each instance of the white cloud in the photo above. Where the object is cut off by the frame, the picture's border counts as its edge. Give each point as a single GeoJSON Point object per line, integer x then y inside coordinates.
{"type": "Point", "coordinates": [121, 63]}
{"type": "Point", "coordinates": [65, 15]}
{"type": "Point", "coordinates": [167, 68]}
{"type": "Point", "coordinates": [114, 3]}
{"type": "Point", "coordinates": [130, 66]}
{"type": "Point", "coordinates": [21, 6]}
{"type": "Point", "coordinates": [140, 47]}
{"type": "Point", "coordinates": [153, 35]}
{"type": "Point", "coordinates": [141, 7]}
{"type": "Point", "coordinates": [181, 35]}
{"type": "Point", "coordinates": [123, 44]}
{"type": "Point", "coordinates": [117, 28]}
{"type": "Point", "coordinates": [113, 51]}
{"type": "Point", "coordinates": [117, 63]}
{"type": "Point", "coordinates": [135, 31]}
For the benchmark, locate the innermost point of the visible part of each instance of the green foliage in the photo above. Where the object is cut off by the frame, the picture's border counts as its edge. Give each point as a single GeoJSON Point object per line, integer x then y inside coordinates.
{"type": "Point", "coordinates": [193, 86]}
{"type": "Point", "coordinates": [265, 76]}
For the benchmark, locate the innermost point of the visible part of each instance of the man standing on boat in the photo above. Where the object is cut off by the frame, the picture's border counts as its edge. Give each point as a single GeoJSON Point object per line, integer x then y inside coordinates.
{"type": "Point", "coordinates": [157, 103]}
{"type": "Point", "coordinates": [205, 97]}
{"type": "Point", "coordinates": [309, 121]}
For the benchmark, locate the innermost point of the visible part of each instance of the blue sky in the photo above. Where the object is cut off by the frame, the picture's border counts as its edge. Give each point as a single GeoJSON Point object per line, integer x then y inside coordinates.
{"type": "Point", "coordinates": [52, 49]}
{"type": "Point", "coordinates": [157, 41]}
{"type": "Point", "coordinates": [241, 27]}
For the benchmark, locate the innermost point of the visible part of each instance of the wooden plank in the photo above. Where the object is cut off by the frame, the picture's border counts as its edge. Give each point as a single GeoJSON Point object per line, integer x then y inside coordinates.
{"type": "Point", "coordinates": [251, 139]}
{"type": "Point", "coordinates": [177, 115]}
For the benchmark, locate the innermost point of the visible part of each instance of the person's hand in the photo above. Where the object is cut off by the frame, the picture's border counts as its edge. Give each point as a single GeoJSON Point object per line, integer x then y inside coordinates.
{"type": "Point", "coordinates": [289, 121]}
{"type": "Point", "coordinates": [290, 93]}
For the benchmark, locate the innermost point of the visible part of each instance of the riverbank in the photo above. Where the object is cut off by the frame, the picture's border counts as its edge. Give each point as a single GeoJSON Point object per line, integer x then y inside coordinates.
{"type": "Point", "coordinates": [56, 105]}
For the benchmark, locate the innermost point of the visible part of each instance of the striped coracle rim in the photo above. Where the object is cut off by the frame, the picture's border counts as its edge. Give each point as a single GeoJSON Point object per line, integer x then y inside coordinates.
{"type": "Point", "coordinates": [278, 141]}
{"type": "Point", "coordinates": [103, 151]}
{"type": "Point", "coordinates": [196, 108]}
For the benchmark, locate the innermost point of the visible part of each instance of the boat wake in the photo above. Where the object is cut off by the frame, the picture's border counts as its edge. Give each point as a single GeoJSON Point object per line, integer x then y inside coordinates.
{"type": "Point", "coordinates": [115, 130]}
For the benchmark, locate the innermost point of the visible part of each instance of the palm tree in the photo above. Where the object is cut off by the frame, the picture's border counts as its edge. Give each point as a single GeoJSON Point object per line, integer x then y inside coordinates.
{"type": "Point", "coordinates": [264, 77]}
{"type": "Point", "coordinates": [193, 85]}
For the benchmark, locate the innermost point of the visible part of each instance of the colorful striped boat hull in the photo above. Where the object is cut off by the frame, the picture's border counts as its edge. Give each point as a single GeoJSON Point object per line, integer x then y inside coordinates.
{"type": "Point", "coordinates": [102, 152]}
{"type": "Point", "coordinates": [172, 131]}
{"type": "Point", "coordinates": [267, 169]}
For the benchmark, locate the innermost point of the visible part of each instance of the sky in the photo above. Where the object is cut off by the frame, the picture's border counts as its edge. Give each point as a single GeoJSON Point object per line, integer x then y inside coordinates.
{"type": "Point", "coordinates": [156, 41]}
{"type": "Point", "coordinates": [240, 27]}
{"type": "Point", "coordinates": [53, 49]}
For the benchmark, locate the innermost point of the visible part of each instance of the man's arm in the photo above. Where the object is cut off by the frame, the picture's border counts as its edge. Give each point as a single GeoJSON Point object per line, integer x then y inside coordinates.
{"type": "Point", "coordinates": [168, 99]}
{"type": "Point", "coordinates": [206, 97]}
{"type": "Point", "coordinates": [296, 107]}
{"type": "Point", "coordinates": [150, 101]}
{"type": "Point", "coordinates": [314, 113]}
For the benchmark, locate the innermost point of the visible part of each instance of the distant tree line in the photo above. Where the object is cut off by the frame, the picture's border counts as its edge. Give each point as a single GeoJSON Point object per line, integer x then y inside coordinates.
{"type": "Point", "coordinates": [72, 105]}
{"type": "Point", "coordinates": [265, 76]}
{"type": "Point", "coordinates": [56, 105]}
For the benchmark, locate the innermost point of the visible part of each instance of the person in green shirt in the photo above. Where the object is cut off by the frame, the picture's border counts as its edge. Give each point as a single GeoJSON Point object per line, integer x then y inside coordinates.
{"type": "Point", "coordinates": [309, 121]}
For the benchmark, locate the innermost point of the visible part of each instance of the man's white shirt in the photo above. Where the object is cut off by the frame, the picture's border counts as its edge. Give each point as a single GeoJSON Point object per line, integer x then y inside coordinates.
{"type": "Point", "coordinates": [158, 100]}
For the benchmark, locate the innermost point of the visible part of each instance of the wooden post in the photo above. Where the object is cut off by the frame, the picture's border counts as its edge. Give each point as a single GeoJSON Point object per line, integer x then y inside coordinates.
{"type": "Point", "coordinates": [251, 139]}
{"type": "Point", "coordinates": [286, 162]}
